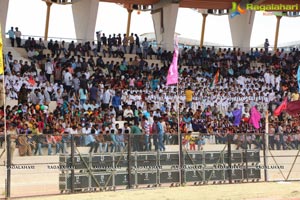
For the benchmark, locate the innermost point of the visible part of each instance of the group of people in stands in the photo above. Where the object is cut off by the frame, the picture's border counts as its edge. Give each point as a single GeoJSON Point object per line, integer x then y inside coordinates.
{"type": "Point", "coordinates": [93, 96]}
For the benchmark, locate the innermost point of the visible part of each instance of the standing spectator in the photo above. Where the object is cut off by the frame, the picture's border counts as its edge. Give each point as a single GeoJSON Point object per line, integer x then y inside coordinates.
{"type": "Point", "coordinates": [155, 133]}
{"type": "Point", "coordinates": [200, 141]}
{"type": "Point", "coordinates": [99, 142]}
{"type": "Point", "coordinates": [58, 74]}
{"type": "Point", "coordinates": [50, 140]}
{"type": "Point", "coordinates": [146, 131]}
{"type": "Point", "coordinates": [120, 140]}
{"type": "Point", "coordinates": [62, 48]}
{"type": "Point", "coordinates": [18, 37]}
{"type": "Point", "coordinates": [145, 45]}
{"type": "Point", "coordinates": [189, 96]}
{"type": "Point", "coordinates": [116, 103]}
{"type": "Point", "coordinates": [131, 43]}
{"type": "Point", "coordinates": [68, 80]}
{"type": "Point", "coordinates": [98, 34]}
{"type": "Point", "coordinates": [94, 48]}
{"type": "Point", "coordinates": [12, 131]}
{"type": "Point", "coordinates": [137, 133]}
{"type": "Point", "coordinates": [266, 46]}
{"type": "Point", "coordinates": [71, 48]}
{"type": "Point", "coordinates": [137, 40]}
{"type": "Point", "coordinates": [106, 98]}
{"type": "Point", "coordinates": [114, 142]}
{"type": "Point", "coordinates": [11, 35]}
{"type": "Point", "coordinates": [93, 93]}
{"type": "Point", "coordinates": [125, 43]}
{"type": "Point", "coordinates": [49, 69]}
{"type": "Point", "coordinates": [272, 131]}
{"type": "Point", "coordinates": [161, 134]}
{"type": "Point", "coordinates": [82, 96]}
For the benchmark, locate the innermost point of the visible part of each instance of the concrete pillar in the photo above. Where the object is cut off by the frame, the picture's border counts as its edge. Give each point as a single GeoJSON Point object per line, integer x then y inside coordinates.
{"type": "Point", "coordinates": [3, 16]}
{"type": "Point", "coordinates": [204, 15]}
{"type": "Point", "coordinates": [49, 4]}
{"type": "Point", "coordinates": [277, 32]}
{"type": "Point", "coordinates": [241, 29]}
{"type": "Point", "coordinates": [128, 22]}
{"type": "Point", "coordinates": [85, 16]}
{"type": "Point", "coordinates": [164, 21]}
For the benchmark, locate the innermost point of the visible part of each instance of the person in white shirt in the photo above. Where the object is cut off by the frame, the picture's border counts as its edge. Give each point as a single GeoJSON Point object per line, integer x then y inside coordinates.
{"type": "Point", "coordinates": [128, 114]}
{"type": "Point", "coordinates": [68, 80]}
{"type": "Point", "coordinates": [49, 69]}
{"type": "Point", "coordinates": [106, 98]}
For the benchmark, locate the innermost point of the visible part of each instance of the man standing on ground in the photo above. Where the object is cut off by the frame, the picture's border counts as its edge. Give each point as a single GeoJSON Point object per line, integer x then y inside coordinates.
{"type": "Point", "coordinates": [161, 134]}
{"type": "Point", "coordinates": [136, 133]}
{"type": "Point", "coordinates": [146, 131]}
{"type": "Point", "coordinates": [155, 133]}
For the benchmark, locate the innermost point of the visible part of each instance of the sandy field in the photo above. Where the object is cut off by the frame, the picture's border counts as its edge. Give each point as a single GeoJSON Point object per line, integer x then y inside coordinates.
{"type": "Point", "coordinates": [249, 191]}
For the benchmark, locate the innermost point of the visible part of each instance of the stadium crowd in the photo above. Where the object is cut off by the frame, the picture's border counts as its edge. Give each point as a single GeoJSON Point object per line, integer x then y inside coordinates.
{"type": "Point", "coordinates": [93, 96]}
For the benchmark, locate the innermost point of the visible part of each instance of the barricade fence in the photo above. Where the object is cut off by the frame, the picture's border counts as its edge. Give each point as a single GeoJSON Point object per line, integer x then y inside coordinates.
{"type": "Point", "coordinates": [152, 169]}
{"type": "Point", "coordinates": [75, 171]}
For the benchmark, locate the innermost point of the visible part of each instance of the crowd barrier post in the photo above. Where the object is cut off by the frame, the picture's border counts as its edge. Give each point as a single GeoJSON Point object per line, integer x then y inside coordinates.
{"type": "Point", "coordinates": [181, 160]}
{"type": "Point", "coordinates": [246, 156]}
{"type": "Point", "coordinates": [129, 161]}
{"type": "Point", "coordinates": [73, 163]}
{"type": "Point", "coordinates": [229, 158]}
{"type": "Point", "coordinates": [265, 157]}
{"type": "Point", "coordinates": [266, 145]}
{"type": "Point", "coordinates": [8, 167]}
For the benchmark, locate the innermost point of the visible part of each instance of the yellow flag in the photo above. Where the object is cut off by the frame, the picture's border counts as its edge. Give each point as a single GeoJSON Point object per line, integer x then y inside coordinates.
{"type": "Point", "coordinates": [1, 53]}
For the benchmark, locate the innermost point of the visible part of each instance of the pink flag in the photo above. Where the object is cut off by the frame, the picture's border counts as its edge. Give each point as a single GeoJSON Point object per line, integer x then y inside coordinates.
{"type": "Point", "coordinates": [172, 77]}
{"type": "Point", "coordinates": [255, 117]}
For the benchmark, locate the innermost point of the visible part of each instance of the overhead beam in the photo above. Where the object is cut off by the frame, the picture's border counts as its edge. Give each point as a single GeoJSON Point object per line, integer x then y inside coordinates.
{"type": "Point", "coordinates": [139, 2]}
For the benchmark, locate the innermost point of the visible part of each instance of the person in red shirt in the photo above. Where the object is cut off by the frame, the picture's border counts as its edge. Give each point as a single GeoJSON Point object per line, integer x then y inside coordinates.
{"type": "Point", "coordinates": [58, 139]}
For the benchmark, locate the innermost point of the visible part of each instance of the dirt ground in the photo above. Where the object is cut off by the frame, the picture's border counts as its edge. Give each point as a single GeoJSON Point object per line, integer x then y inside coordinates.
{"type": "Point", "coordinates": [248, 191]}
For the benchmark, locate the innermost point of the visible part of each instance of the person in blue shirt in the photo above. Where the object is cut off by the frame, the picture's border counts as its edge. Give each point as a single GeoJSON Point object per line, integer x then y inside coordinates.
{"type": "Point", "coordinates": [116, 103]}
{"type": "Point", "coordinates": [114, 142]}
{"type": "Point", "coordinates": [91, 141]}
{"type": "Point", "coordinates": [94, 93]}
{"type": "Point", "coordinates": [11, 35]}
{"type": "Point", "coordinates": [120, 141]}
{"type": "Point", "coordinates": [163, 108]}
{"type": "Point", "coordinates": [161, 134]}
{"type": "Point", "coordinates": [154, 83]}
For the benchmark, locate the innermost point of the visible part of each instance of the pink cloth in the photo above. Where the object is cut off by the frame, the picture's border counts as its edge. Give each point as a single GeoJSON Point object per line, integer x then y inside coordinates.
{"type": "Point", "coordinates": [172, 77]}
{"type": "Point", "coordinates": [255, 117]}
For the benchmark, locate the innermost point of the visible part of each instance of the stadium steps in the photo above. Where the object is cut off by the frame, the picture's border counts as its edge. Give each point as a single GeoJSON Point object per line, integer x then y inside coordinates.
{"type": "Point", "coordinates": [18, 53]}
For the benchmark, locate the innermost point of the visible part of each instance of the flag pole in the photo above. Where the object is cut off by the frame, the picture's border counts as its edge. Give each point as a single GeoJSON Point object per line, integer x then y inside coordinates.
{"type": "Point", "coordinates": [266, 145]}
{"type": "Point", "coordinates": [179, 138]}
{"type": "Point", "coordinates": [172, 78]}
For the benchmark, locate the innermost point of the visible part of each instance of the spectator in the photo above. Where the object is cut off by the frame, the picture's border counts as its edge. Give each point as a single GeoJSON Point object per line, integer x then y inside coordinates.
{"type": "Point", "coordinates": [11, 35]}
{"type": "Point", "coordinates": [18, 35]}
